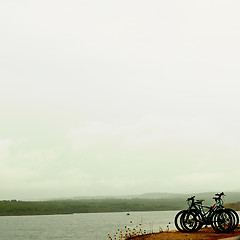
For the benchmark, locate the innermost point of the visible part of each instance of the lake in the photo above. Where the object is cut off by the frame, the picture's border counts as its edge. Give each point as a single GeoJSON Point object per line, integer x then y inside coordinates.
{"type": "Point", "coordinates": [83, 226]}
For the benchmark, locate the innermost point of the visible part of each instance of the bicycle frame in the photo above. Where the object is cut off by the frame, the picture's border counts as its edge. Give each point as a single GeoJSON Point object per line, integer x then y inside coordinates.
{"type": "Point", "coordinates": [198, 208]}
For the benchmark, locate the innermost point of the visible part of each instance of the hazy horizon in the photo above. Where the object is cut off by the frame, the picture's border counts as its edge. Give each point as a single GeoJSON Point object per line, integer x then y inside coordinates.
{"type": "Point", "coordinates": [154, 195]}
{"type": "Point", "coordinates": [118, 98]}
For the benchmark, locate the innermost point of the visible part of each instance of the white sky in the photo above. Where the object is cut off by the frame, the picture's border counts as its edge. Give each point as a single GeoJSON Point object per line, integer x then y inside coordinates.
{"type": "Point", "coordinates": [118, 97]}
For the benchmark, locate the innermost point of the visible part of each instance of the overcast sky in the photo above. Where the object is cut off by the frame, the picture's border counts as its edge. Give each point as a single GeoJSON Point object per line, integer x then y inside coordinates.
{"type": "Point", "coordinates": [118, 97]}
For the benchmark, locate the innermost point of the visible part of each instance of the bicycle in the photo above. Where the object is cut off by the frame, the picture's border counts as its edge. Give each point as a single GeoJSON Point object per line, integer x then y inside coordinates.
{"type": "Point", "coordinates": [192, 219]}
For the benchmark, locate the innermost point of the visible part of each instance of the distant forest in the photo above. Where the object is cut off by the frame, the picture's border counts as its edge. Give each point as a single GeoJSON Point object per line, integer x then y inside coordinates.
{"type": "Point", "coordinates": [14, 207]}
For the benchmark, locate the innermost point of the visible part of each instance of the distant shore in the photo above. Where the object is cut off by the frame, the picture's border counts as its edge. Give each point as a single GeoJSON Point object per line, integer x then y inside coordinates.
{"type": "Point", "coordinates": [19, 208]}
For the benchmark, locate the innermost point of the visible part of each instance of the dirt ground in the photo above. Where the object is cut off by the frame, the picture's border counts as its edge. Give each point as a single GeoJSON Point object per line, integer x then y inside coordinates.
{"type": "Point", "coordinates": [203, 234]}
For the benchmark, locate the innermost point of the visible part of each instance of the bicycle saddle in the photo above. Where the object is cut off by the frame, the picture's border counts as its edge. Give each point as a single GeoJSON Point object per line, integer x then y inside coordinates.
{"type": "Point", "coordinates": [199, 201]}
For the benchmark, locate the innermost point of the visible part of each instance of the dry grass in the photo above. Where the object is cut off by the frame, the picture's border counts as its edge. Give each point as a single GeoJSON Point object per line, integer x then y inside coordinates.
{"type": "Point", "coordinates": [203, 234]}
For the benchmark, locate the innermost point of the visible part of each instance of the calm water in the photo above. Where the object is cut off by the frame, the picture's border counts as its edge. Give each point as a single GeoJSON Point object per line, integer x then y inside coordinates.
{"type": "Point", "coordinates": [89, 226]}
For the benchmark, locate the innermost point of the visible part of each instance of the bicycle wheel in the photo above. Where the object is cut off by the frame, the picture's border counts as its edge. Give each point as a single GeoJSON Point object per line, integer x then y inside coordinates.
{"type": "Point", "coordinates": [200, 220]}
{"type": "Point", "coordinates": [222, 221]}
{"type": "Point", "coordinates": [235, 219]}
{"type": "Point", "coordinates": [177, 221]}
{"type": "Point", "coordinates": [189, 221]}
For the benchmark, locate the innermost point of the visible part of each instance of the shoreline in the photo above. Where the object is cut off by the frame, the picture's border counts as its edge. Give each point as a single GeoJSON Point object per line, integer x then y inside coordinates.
{"type": "Point", "coordinates": [203, 234]}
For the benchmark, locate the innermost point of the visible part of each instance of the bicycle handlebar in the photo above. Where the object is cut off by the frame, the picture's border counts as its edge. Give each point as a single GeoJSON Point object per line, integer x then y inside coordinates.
{"type": "Point", "coordinates": [191, 198]}
{"type": "Point", "coordinates": [220, 194]}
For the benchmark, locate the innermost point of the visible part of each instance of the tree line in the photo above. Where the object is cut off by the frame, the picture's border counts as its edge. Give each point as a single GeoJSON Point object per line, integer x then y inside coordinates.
{"type": "Point", "coordinates": [14, 207]}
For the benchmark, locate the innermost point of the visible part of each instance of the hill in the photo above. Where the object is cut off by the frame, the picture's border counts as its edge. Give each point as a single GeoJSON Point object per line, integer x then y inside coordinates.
{"type": "Point", "coordinates": [144, 202]}
{"type": "Point", "coordinates": [235, 206]}
{"type": "Point", "coordinates": [230, 197]}
{"type": "Point", "coordinates": [15, 207]}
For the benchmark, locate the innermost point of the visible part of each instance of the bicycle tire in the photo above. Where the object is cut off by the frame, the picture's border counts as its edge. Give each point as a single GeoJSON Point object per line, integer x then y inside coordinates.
{"type": "Point", "coordinates": [177, 221]}
{"type": "Point", "coordinates": [222, 221]}
{"type": "Point", "coordinates": [235, 218]}
{"type": "Point", "coordinates": [189, 221]}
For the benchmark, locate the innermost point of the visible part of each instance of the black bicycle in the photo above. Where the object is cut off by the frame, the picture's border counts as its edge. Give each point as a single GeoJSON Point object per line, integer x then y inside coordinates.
{"type": "Point", "coordinates": [198, 215]}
